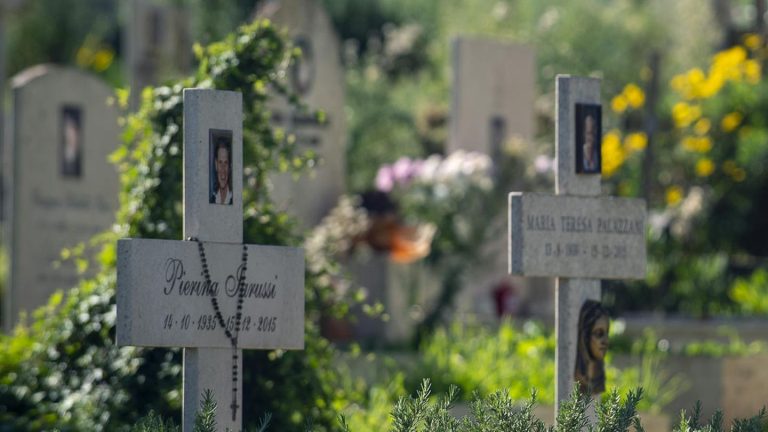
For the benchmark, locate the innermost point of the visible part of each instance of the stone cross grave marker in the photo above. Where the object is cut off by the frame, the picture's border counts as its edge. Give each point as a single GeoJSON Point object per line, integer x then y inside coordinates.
{"type": "Point", "coordinates": [575, 235]}
{"type": "Point", "coordinates": [213, 295]}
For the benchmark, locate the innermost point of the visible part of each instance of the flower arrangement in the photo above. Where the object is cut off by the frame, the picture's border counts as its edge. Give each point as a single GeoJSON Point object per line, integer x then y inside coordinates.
{"type": "Point", "coordinates": [438, 196]}
{"type": "Point", "coordinates": [417, 207]}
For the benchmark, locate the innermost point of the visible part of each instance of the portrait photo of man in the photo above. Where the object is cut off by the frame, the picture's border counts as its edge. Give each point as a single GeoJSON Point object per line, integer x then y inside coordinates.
{"type": "Point", "coordinates": [220, 145]}
{"type": "Point", "coordinates": [588, 138]}
{"type": "Point", "coordinates": [71, 142]}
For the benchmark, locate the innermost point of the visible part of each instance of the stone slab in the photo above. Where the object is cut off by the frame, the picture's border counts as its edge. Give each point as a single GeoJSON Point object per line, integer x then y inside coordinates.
{"type": "Point", "coordinates": [162, 300]}
{"type": "Point", "coordinates": [576, 237]}
{"type": "Point", "coordinates": [63, 190]}
{"type": "Point", "coordinates": [493, 96]}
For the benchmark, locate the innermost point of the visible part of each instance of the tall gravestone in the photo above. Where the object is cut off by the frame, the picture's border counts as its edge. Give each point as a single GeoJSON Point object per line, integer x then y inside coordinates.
{"type": "Point", "coordinates": [493, 95]}
{"type": "Point", "coordinates": [158, 44]}
{"type": "Point", "coordinates": [492, 104]}
{"type": "Point", "coordinates": [63, 188]}
{"type": "Point", "coordinates": [318, 78]}
{"type": "Point", "coordinates": [576, 235]}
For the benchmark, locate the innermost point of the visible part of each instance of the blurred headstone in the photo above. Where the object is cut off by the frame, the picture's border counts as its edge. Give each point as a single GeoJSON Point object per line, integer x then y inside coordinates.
{"type": "Point", "coordinates": [492, 102]}
{"type": "Point", "coordinates": [492, 107]}
{"type": "Point", "coordinates": [63, 188]}
{"type": "Point", "coordinates": [158, 44]}
{"type": "Point", "coordinates": [318, 78]}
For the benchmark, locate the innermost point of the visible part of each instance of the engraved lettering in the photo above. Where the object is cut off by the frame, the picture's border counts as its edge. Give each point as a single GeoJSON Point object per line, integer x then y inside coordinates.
{"type": "Point", "coordinates": [541, 223]}
{"type": "Point", "coordinates": [577, 224]}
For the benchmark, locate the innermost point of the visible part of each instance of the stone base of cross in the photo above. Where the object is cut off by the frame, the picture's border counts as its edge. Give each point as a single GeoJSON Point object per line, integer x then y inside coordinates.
{"type": "Point", "coordinates": [576, 235]}
{"type": "Point", "coordinates": [211, 295]}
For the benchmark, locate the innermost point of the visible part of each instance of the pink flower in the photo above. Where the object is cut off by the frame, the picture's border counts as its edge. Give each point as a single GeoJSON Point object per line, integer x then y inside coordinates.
{"type": "Point", "coordinates": [385, 180]}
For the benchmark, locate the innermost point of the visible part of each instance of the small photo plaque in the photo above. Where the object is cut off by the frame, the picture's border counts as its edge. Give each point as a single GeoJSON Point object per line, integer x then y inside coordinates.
{"type": "Point", "coordinates": [71, 142]}
{"type": "Point", "coordinates": [220, 151]}
{"type": "Point", "coordinates": [588, 138]}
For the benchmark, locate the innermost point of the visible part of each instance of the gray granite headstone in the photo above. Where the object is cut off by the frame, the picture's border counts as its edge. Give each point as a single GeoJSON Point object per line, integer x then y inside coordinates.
{"type": "Point", "coordinates": [319, 80]}
{"type": "Point", "coordinates": [63, 188]}
{"type": "Point", "coordinates": [494, 89]}
{"type": "Point", "coordinates": [163, 298]}
{"type": "Point", "coordinates": [575, 235]}
{"type": "Point", "coordinates": [492, 104]}
{"type": "Point", "coordinates": [158, 44]}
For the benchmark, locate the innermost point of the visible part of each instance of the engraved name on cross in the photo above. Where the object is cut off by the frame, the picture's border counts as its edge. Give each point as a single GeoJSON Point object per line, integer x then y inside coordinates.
{"type": "Point", "coordinates": [212, 295]}
{"type": "Point", "coordinates": [576, 235]}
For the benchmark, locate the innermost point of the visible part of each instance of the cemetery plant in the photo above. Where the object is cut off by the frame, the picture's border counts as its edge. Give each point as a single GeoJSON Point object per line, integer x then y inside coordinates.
{"type": "Point", "coordinates": [707, 188]}
{"type": "Point", "coordinates": [499, 412]}
{"type": "Point", "coordinates": [62, 368]}
{"type": "Point", "coordinates": [482, 360]}
{"type": "Point", "coordinates": [425, 412]}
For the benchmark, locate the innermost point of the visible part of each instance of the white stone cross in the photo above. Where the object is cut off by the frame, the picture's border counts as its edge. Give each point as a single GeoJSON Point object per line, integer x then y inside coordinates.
{"type": "Point", "coordinates": [163, 296]}
{"type": "Point", "coordinates": [575, 235]}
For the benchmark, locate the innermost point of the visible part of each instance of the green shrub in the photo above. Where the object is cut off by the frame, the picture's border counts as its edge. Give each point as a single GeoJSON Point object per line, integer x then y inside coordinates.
{"type": "Point", "coordinates": [498, 412]}
{"type": "Point", "coordinates": [751, 294]}
{"type": "Point", "coordinates": [480, 359]}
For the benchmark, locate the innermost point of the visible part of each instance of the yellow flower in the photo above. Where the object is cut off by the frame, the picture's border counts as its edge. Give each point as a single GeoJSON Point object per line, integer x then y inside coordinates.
{"type": "Point", "coordinates": [695, 76]}
{"type": "Point", "coordinates": [711, 85]}
{"type": "Point", "coordinates": [684, 114]}
{"type": "Point", "coordinates": [619, 103]}
{"type": "Point", "coordinates": [752, 71]}
{"type": "Point", "coordinates": [634, 95]}
{"type": "Point", "coordinates": [702, 126]}
{"type": "Point", "coordinates": [674, 195]}
{"type": "Point", "coordinates": [730, 57]}
{"type": "Point", "coordinates": [697, 144]}
{"type": "Point", "coordinates": [679, 84]}
{"type": "Point", "coordinates": [635, 141]}
{"type": "Point", "coordinates": [731, 121]}
{"type": "Point", "coordinates": [103, 59]}
{"type": "Point", "coordinates": [612, 153]}
{"type": "Point", "coordinates": [752, 41]}
{"type": "Point", "coordinates": [705, 167]}
{"type": "Point", "coordinates": [728, 63]}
